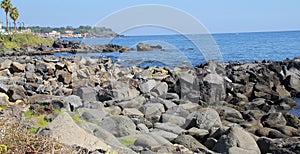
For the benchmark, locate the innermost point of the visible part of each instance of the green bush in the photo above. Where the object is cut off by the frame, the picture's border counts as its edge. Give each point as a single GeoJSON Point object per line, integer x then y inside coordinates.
{"type": "Point", "coordinates": [18, 40]}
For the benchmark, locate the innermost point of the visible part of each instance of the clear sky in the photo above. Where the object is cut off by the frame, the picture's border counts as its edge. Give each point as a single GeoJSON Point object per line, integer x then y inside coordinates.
{"type": "Point", "coordinates": [217, 15]}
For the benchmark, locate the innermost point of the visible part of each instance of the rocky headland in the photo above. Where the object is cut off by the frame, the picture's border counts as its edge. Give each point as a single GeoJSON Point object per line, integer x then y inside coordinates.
{"type": "Point", "coordinates": [98, 105]}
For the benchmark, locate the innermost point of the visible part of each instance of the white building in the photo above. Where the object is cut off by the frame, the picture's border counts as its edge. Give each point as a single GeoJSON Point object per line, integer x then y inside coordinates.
{"type": "Point", "coordinates": [54, 34]}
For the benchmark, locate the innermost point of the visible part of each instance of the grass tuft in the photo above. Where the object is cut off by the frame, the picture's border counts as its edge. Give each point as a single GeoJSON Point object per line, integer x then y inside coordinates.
{"type": "Point", "coordinates": [77, 118]}
{"type": "Point", "coordinates": [127, 141]}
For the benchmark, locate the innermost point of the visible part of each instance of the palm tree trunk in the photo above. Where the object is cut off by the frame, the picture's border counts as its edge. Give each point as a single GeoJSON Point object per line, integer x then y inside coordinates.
{"type": "Point", "coordinates": [7, 21]}
{"type": "Point", "coordinates": [15, 25]}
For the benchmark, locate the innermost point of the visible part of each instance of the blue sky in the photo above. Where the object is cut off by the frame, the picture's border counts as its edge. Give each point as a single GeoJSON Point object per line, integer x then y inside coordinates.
{"type": "Point", "coordinates": [217, 15]}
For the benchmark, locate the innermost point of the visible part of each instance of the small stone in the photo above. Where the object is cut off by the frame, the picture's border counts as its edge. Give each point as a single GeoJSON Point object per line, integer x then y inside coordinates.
{"type": "Point", "coordinates": [17, 67]}
{"type": "Point", "coordinates": [132, 112]}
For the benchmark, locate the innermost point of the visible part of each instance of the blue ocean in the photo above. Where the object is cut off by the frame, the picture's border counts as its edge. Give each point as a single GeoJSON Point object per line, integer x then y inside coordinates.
{"type": "Point", "coordinates": [179, 48]}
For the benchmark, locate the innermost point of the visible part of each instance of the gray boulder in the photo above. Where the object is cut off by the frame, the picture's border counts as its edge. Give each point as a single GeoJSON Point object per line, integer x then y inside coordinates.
{"type": "Point", "coordinates": [169, 128]}
{"type": "Point", "coordinates": [165, 134]}
{"type": "Point", "coordinates": [124, 93]}
{"type": "Point", "coordinates": [293, 83]}
{"type": "Point", "coordinates": [147, 86]}
{"type": "Point", "coordinates": [204, 118]}
{"type": "Point", "coordinates": [87, 94]}
{"type": "Point", "coordinates": [236, 140]}
{"type": "Point", "coordinates": [160, 89]}
{"type": "Point", "coordinates": [17, 67]}
{"type": "Point", "coordinates": [187, 84]}
{"type": "Point", "coordinates": [5, 64]}
{"type": "Point", "coordinates": [73, 101]}
{"type": "Point", "coordinates": [173, 119]}
{"type": "Point", "coordinates": [151, 141]}
{"type": "Point", "coordinates": [132, 103]}
{"type": "Point", "coordinates": [213, 88]}
{"type": "Point", "coordinates": [66, 131]}
{"type": "Point", "coordinates": [189, 142]}
{"type": "Point", "coordinates": [152, 111]}
{"type": "Point", "coordinates": [119, 126]}
{"type": "Point", "coordinates": [93, 115]}
{"type": "Point", "coordinates": [16, 92]}
{"type": "Point", "coordinates": [104, 135]}
{"type": "Point", "coordinates": [274, 120]}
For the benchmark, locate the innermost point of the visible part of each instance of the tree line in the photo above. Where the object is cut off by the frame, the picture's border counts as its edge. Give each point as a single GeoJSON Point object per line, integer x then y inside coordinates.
{"type": "Point", "coordinates": [10, 11]}
{"type": "Point", "coordinates": [92, 31]}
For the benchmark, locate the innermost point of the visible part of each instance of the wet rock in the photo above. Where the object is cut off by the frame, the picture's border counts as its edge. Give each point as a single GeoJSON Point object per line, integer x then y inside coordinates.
{"type": "Point", "coordinates": [147, 47]}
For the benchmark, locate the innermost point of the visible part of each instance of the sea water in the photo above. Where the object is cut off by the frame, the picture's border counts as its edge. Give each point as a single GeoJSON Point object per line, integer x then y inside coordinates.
{"type": "Point", "coordinates": [178, 48]}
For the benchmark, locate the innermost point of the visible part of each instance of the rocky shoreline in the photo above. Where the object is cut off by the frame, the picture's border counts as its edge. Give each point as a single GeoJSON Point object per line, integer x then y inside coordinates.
{"type": "Point", "coordinates": [211, 108]}
{"type": "Point", "coordinates": [74, 47]}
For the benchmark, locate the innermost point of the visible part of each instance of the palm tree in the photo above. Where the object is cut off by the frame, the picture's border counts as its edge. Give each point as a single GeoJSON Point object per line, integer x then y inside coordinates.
{"type": "Point", "coordinates": [14, 15]}
{"type": "Point", "coordinates": [6, 5]}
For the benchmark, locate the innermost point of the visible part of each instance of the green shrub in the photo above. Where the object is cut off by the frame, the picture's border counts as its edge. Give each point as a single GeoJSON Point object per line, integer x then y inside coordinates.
{"type": "Point", "coordinates": [39, 120]}
{"type": "Point", "coordinates": [18, 40]}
